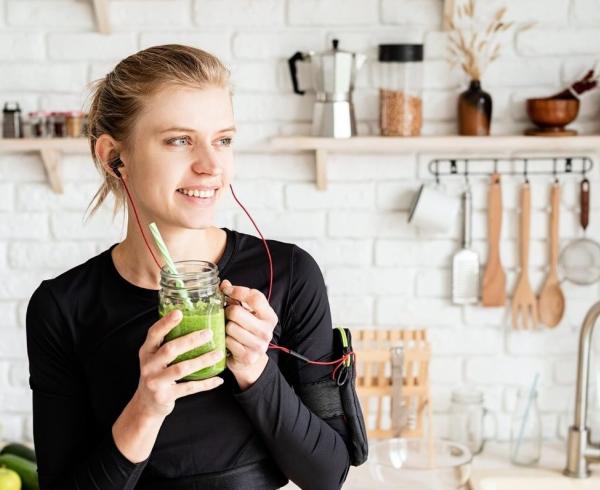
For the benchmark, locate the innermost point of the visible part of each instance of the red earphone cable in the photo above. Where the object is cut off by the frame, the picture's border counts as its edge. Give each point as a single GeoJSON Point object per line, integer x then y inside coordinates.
{"type": "Point", "coordinates": [137, 218]}
{"type": "Point", "coordinates": [338, 362]}
{"type": "Point", "coordinates": [264, 243]}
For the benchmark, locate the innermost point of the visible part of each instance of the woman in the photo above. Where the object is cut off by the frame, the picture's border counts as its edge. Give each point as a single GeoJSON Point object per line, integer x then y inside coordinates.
{"type": "Point", "coordinates": [106, 408]}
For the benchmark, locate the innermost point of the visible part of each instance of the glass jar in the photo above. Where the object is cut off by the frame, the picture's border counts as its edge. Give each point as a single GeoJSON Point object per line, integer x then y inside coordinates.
{"type": "Point", "coordinates": [12, 125]}
{"type": "Point", "coordinates": [195, 291]}
{"type": "Point", "coordinates": [526, 429]}
{"type": "Point", "coordinates": [38, 124]}
{"type": "Point", "coordinates": [26, 128]}
{"type": "Point", "coordinates": [57, 123]}
{"type": "Point", "coordinates": [467, 414]}
{"type": "Point", "coordinates": [400, 89]}
{"type": "Point", "coordinates": [74, 124]}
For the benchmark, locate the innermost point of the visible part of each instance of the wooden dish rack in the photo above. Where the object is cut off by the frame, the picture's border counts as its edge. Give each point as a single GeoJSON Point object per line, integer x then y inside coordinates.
{"type": "Point", "coordinates": [374, 379]}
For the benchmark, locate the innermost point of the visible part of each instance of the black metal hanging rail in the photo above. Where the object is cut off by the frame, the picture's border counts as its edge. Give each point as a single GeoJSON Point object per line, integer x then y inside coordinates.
{"type": "Point", "coordinates": [440, 167]}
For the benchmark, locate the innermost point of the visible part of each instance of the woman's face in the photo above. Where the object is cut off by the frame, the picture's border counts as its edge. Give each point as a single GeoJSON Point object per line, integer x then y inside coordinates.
{"type": "Point", "coordinates": [179, 161]}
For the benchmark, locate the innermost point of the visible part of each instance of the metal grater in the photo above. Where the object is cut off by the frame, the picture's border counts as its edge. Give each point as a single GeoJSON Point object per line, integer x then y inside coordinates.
{"type": "Point", "coordinates": [465, 263]}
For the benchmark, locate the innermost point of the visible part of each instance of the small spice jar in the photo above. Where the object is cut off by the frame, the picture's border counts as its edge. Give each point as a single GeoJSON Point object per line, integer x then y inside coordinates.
{"type": "Point", "coordinates": [58, 124]}
{"type": "Point", "coordinates": [400, 89]}
{"type": "Point", "coordinates": [37, 119]}
{"type": "Point", "coordinates": [74, 123]}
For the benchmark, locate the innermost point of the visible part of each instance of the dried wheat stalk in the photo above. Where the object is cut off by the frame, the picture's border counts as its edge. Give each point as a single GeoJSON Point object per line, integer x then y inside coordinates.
{"type": "Point", "coordinates": [473, 49]}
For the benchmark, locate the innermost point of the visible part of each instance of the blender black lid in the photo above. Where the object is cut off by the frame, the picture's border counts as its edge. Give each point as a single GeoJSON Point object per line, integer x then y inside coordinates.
{"type": "Point", "coordinates": [400, 52]}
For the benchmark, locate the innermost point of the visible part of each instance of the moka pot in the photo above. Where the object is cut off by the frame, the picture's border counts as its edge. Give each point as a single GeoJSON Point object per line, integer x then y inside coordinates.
{"type": "Point", "coordinates": [333, 73]}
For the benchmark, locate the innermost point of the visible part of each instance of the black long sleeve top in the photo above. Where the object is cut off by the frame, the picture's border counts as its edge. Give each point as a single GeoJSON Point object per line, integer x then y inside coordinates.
{"type": "Point", "coordinates": [84, 331]}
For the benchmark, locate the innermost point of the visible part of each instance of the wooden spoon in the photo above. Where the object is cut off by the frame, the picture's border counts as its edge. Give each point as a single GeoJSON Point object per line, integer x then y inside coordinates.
{"type": "Point", "coordinates": [494, 279]}
{"type": "Point", "coordinates": [551, 300]}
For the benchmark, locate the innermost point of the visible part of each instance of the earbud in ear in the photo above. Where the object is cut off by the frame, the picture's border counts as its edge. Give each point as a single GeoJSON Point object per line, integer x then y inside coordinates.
{"type": "Point", "coordinates": [114, 166]}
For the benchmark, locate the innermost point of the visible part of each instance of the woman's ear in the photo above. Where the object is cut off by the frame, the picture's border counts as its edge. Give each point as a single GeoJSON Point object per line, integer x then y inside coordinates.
{"type": "Point", "coordinates": [107, 150]}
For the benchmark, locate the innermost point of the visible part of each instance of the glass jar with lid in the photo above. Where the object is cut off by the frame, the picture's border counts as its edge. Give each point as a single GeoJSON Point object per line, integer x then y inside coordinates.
{"type": "Point", "coordinates": [400, 89]}
{"type": "Point", "coordinates": [38, 122]}
{"type": "Point", "coordinates": [74, 124]}
{"type": "Point", "coordinates": [195, 291]}
{"type": "Point", "coordinates": [57, 124]}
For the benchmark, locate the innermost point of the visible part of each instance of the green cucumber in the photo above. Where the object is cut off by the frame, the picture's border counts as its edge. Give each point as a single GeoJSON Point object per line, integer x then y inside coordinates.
{"type": "Point", "coordinates": [26, 469]}
{"type": "Point", "coordinates": [19, 450]}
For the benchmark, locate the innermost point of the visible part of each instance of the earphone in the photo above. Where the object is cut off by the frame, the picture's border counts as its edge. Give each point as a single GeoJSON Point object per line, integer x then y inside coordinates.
{"type": "Point", "coordinates": [114, 166]}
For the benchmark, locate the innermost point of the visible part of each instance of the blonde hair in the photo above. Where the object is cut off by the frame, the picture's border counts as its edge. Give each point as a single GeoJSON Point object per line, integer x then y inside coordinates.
{"type": "Point", "coordinates": [118, 98]}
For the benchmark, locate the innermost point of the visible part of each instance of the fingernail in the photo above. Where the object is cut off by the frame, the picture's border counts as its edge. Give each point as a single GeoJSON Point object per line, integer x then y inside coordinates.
{"type": "Point", "coordinates": [176, 315]}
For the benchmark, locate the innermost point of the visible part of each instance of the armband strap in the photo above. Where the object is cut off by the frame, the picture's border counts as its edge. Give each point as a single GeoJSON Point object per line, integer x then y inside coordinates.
{"type": "Point", "coordinates": [338, 398]}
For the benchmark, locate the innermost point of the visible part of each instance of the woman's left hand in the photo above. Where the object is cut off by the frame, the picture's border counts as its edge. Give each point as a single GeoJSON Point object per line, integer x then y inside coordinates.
{"type": "Point", "coordinates": [249, 331]}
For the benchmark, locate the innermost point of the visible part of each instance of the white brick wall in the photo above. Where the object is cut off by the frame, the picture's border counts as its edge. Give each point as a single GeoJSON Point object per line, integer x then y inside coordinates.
{"type": "Point", "coordinates": [378, 270]}
{"type": "Point", "coordinates": [67, 14]}
{"type": "Point", "coordinates": [91, 46]}
{"type": "Point", "coordinates": [210, 13]}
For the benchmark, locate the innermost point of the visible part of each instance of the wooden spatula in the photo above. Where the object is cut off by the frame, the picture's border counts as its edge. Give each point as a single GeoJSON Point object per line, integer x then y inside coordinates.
{"type": "Point", "coordinates": [494, 279]}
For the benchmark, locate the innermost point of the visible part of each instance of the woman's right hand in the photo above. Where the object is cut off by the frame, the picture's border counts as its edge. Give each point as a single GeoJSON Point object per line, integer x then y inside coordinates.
{"type": "Point", "coordinates": [157, 389]}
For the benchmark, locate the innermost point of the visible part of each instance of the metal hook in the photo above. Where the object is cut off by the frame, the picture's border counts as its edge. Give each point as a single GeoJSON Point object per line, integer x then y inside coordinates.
{"type": "Point", "coordinates": [495, 165]}
{"type": "Point", "coordinates": [466, 171]}
{"type": "Point", "coordinates": [568, 165]}
{"type": "Point", "coordinates": [437, 171]}
{"type": "Point", "coordinates": [554, 171]}
{"type": "Point", "coordinates": [453, 169]}
{"type": "Point", "coordinates": [525, 163]}
{"type": "Point", "coordinates": [587, 160]}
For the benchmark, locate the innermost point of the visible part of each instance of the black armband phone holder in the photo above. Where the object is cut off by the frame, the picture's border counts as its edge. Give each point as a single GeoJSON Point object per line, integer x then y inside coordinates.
{"type": "Point", "coordinates": [337, 397]}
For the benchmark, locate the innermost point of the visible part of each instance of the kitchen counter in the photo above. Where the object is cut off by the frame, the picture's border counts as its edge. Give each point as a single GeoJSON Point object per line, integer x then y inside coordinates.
{"type": "Point", "coordinates": [492, 470]}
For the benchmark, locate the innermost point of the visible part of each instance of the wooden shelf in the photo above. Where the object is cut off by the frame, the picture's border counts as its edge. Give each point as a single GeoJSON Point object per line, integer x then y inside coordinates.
{"type": "Point", "coordinates": [65, 145]}
{"type": "Point", "coordinates": [52, 149]}
{"type": "Point", "coordinates": [447, 145]}
{"type": "Point", "coordinates": [436, 144]}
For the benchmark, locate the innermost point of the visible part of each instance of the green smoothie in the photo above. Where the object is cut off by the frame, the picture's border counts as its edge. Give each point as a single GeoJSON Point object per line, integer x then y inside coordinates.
{"type": "Point", "coordinates": [200, 317]}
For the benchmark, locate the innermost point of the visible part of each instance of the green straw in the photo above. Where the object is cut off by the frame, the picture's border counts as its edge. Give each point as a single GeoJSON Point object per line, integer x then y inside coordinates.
{"type": "Point", "coordinates": [162, 247]}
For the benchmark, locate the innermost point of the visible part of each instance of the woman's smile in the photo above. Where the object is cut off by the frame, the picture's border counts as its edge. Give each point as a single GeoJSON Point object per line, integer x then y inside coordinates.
{"type": "Point", "coordinates": [201, 198]}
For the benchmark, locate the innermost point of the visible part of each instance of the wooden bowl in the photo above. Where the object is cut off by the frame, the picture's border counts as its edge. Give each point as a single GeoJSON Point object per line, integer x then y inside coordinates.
{"type": "Point", "coordinates": [552, 113]}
